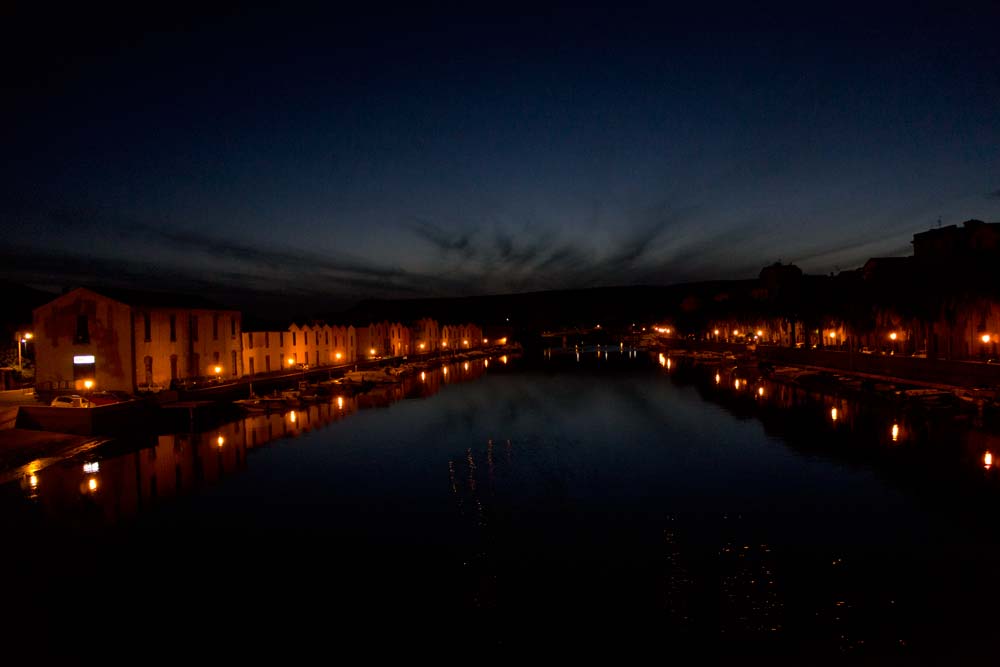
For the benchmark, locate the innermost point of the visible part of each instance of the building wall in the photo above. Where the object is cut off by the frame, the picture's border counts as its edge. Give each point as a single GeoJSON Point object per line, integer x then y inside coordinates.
{"type": "Point", "coordinates": [425, 336]}
{"type": "Point", "coordinates": [197, 342]}
{"type": "Point", "coordinates": [105, 330]}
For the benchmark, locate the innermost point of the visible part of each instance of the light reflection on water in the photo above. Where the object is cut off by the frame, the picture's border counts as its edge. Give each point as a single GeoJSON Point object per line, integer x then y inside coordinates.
{"type": "Point", "coordinates": [740, 508]}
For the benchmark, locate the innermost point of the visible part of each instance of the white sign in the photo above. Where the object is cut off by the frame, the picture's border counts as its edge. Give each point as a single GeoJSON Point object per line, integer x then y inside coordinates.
{"type": "Point", "coordinates": [83, 359]}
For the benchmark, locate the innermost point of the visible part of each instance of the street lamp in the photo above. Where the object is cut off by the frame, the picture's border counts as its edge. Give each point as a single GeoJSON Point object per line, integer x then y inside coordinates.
{"type": "Point", "coordinates": [22, 339]}
{"type": "Point", "coordinates": [218, 373]}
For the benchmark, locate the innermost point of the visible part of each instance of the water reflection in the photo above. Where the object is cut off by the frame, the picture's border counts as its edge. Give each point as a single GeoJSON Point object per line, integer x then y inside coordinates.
{"type": "Point", "coordinates": [158, 467]}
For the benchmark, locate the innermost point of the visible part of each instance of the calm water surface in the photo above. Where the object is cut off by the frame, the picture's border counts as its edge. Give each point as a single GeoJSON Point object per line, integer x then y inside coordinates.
{"type": "Point", "coordinates": [741, 516]}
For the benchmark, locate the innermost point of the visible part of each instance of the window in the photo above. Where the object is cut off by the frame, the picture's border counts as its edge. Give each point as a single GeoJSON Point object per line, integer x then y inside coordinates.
{"type": "Point", "coordinates": [147, 327]}
{"type": "Point", "coordinates": [267, 363]}
{"type": "Point", "coordinates": [281, 339]}
{"type": "Point", "coordinates": [173, 366]}
{"type": "Point", "coordinates": [267, 339]}
{"type": "Point", "coordinates": [173, 328]}
{"type": "Point", "coordinates": [317, 338]}
{"type": "Point", "coordinates": [82, 330]}
{"type": "Point", "coordinates": [293, 339]}
{"type": "Point", "coordinates": [250, 340]}
{"type": "Point", "coordinates": [193, 326]}
{"type": "Point", "coordinates": [232, 362]}
{"type": "Point", "coordinates": [215, 326]}
{"type": "Point", "coordinates": [327, 337]}
{"type": "Point", "coordinates": [251, 366]}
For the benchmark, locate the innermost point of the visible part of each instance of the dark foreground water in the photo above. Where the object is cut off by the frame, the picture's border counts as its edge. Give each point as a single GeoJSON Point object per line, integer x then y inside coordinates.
{"type": "Point", "coordinates": [608, 502]}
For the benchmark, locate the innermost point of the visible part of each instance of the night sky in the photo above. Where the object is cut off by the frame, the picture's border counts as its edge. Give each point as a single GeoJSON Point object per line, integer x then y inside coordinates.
{"type": "Point", "coordinates": [443, 151]}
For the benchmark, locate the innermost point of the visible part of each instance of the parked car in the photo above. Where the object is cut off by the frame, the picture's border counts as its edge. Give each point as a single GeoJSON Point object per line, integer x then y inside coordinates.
{"type": "Point", "coordinates": [73, 401]}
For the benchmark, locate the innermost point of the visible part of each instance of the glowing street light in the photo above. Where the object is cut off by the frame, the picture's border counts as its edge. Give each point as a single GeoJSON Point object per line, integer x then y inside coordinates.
{"type": "Point", "coordinates": [220, 441]}
{"type": "Point", "coordinates": [88, 384]}
{"type": "Point", "coordinates": [895, 432]}
{"type": "Point", "coordinates": [338, 356]}
{"type": "Point", "coordinates": [987, 460]}
{"type": "Point", "coordinates": [986, 338]}
{"type": "Point", "coordinates": [833, 334]}
{"type": "Point", "coordinates": [833, 414]}
{"type": "Point", "coordinates": [290, 361]}
{"type": "Point", "coordinates": [23, 340]}
{"type": "Point", "coordinates": [892, 336]}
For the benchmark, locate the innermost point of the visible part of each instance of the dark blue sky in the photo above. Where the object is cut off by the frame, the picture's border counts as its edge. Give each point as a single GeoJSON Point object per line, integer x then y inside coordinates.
{"type": "Point", "coordinates": [447, 151]}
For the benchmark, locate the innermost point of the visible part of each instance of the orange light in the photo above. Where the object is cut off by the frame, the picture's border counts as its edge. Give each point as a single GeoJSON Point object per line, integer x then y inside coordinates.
{"type": "Point", "coordinates": [33, 481]}
{"type": "Point", "coordinates": [340, 402]}
{"type": "Point", "coordinates": [986, 338]}
{"type": "Point", "coordinates": [290, 361]}
{"type": "Point", "coordinates": [833, 334]}
{"type": "Point", "coordinates": [486, 363]}
{"type": "Point", "coordinates": [716, 332]}
{"type": "Point", "coordinates": [760, 391]}
{"type": "Point", "coordinates": [29, 336]}
{"type": "Point", "coordinates": [759, 333]}
{"type": "Point", "coordinates": [987, 460]}
{"type": "Point", "coordinates": [92, 484]}
{"type": "Point", "coordinates": [663, 360]}
{"type": "Point", "coordinates": [895, 432]}
{"type": "Point", "coordinates": [737, 384]}
{"type": "Point", "coordinates": [88, 384]}
{"type": "Point", "coordinates": [293, 416]}
{"type": "Point", "coordinates": [736, 333]}
{"type": "Point", "coordinates": [444, 370]}
{"type": "Point", "coordinates": [423, 376]}
{"type": "Point", "coordinates": [892, 336]}
{"type": "Point", "coordinates": [485, 341]}
{"type": "Point", "coordinates": [372, 351]}
{"type": "Point", "coordinates": [220, 441]}
{"type": "Point", "coordinates": [338, 356]}
{"type": "Point", "coordinates": [504, 359]}
{"type": "Point", "coordinates": [718, 378]}
{"type": "Point", "coordinates": [444, 343]}
{"type": "Point", "coordinates": [465, 342]}
{"type": "Point", "coordinates": [833, 414]}
{"type": "Point", "coordinates": [465, 366]}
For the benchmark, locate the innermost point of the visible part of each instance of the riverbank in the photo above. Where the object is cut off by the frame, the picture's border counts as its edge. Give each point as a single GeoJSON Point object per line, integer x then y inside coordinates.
{"type": "Point", "coordinates": [926, 394]}
{"type": "Point", "coordinates": [34, 435]}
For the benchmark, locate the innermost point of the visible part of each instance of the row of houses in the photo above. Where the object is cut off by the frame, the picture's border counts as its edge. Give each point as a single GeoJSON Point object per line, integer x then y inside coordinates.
{"type": "Point", "coordinates": [127, 340]}
{"type": "Point", "coordinates": [941, 302]}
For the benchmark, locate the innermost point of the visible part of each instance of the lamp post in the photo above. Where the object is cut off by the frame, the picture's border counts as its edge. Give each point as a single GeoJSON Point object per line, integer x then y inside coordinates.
{"type": "Point", "coordinates": [22, 339]}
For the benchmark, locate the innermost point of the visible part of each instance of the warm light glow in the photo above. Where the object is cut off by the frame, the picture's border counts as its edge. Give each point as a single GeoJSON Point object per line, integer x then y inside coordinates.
{"type": "Point", "coordinates": [465, 342]}
{"type": "Point", "coordinates": [736, 333]}
{"type": "Point", "coordinates": [892, 336]}
{"type": "Point", "coordinates": [444, 370]}
{"type": "Point", "coordinates": [760, 391]}
{"type": "Point", "coordinates": [340, 402]}
{"type": "Point", "coordinates": [338, 356]}
{"type": "Point", "coordinates": [371, 351]}
{"type": "Point", "coordinates": [716, 332]}
{"type": "Point", "coordinates": [220, 441]}
{"type": "Point", "coordinates": [290, 361]}
{"type": "Point", "coordinates": [895, 432]}
{"type": "Point", "coordinates": [91, 468]}
{"type": "Point", "coordinates": [465, 366]}
{"type": "Point", "coordinates": [29, 336]}
{"type": "Point", "coordinates": [486, 363]}
{"type": "Point", "coordinates": [218, 370]}
{"type": "Point", "coordinates": [759, 333]}
{"type": "Point", "coordinates": [718, 378]}
{"type": "Point", "coordinates": [294, 416]}
{"type": "Point", "coordinates": [737, 384]}
{"type": "Point", "coordinates": [503, 341]}
{"type": "Point", "coordinates": [663, 360]}
{"type": "Point", "coordinates": [668, 330]}
{"type": "Point", "coordinates": [88, 384]}
{"type": "Point", "coordinates": [92, 484]}
{"type": "Point", "coordinates": [834, 414]}
{"type": "Point", "coordinates": [444, 343]}
{"type": "Point", "coordinates": [986, 338]}
{"type": "Point", "coordinates": [33, 481]}
{"type": "Point", "coordinates": [421, 346]}
{"type": "Point", "coordinates": [504, 359]}
{"type": "Point", "coordinates": [833, 334]}
{"type": "Point", "coordinates": [987, 460]}
{"type": "Point", "coordinates": [83, 359]}
{"type": "Point", "coordinates": [485, 341]}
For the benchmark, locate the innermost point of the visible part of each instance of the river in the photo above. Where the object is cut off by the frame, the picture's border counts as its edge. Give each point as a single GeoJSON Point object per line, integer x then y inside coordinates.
{"type": "Point", "coordinates": [711, 510]}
